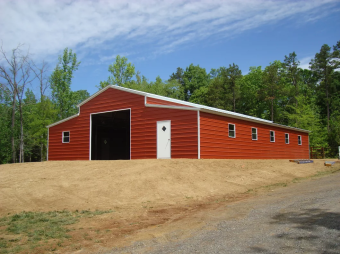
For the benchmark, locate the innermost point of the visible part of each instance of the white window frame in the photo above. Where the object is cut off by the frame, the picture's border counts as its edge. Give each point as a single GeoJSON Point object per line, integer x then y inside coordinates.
{"type": "Point", "coordinates": [299, 140]}
{"type": "Point", "coordinates": [234, 130]}
{"type": "Point", "coordinates": [270, 136]}
{"type": "Point", "coordinates": [286, 137]}
{"type": "Point", "coordinates": [69, 137]}
{"type": "Point", "coordinates": [90, 144]}
{"type": "Point", "coordinates": [252, 134]}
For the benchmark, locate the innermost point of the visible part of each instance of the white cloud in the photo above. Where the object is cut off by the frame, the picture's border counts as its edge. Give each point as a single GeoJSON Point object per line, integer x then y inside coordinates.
{"type": "Point", "coordinates": [48, 26]}
{"type": "Point", "coordinates": [304, 62]}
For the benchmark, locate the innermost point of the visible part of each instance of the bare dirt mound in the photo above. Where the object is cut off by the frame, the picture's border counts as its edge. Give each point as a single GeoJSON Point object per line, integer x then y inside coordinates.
{"type": "Point", "coordinates": [77, 185]}
{"type": "Point", "coordinates": [145, 198]}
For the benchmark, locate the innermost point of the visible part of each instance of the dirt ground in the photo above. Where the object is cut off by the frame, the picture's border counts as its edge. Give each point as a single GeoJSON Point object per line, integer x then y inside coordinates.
{"type": "Point", "coordinates": [143, 194]}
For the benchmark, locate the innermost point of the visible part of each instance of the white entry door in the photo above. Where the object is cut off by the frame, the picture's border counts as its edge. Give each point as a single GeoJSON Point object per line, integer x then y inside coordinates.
{"type": "Point", "coordinates": [164, 139]}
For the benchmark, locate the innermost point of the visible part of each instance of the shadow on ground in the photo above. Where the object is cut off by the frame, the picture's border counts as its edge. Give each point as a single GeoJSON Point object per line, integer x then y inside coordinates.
{"type": "Point", "coordinates": [309, 219]}
{"type": "Point", "coordinates": [311, 231]}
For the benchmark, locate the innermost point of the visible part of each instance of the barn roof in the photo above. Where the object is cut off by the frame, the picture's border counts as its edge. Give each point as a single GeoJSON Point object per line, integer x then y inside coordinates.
{"type": "Point", "coordinates": [190, 106]}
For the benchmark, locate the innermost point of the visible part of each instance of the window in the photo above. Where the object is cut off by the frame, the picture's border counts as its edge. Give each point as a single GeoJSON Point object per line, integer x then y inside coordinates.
{"type": "Point", "coordinates": [254, 133]}
{"type": "Point", "coordinates": [299, 140]}
{"type": "Point", "coordinates": [272, 136]}
{"type": "Point", "coordinates": [232, 131]}
{"type": "Point", "coordinates": [287, 138]}
{"type": "Point", "coordinates": [66, 136]}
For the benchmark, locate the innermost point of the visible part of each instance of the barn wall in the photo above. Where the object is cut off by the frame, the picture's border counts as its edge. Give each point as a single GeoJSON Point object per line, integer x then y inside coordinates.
{"type": "Point", "coordinates": [215, 142]}
{"type": "Point", "coordinates": [184, 142]}
{"type": "Point", "coordinates": [150, 100]}
{"type": "Point", "coordinates": [77, 148]}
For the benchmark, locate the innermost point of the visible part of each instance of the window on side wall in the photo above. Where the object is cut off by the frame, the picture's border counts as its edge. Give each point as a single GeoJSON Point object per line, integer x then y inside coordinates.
{"type": "Point", "coordinates": [287, 138]}
{"type": "Point", "coordinates": [254, 133]}
{"type": "Point", "coordinates": [272, 136]}
{"type": "Point", "coordinates": [299, 140]}
{"type": "Point", "coordinates": [66, 136]}
{"type": "Point", "coordinates": [232, 130]}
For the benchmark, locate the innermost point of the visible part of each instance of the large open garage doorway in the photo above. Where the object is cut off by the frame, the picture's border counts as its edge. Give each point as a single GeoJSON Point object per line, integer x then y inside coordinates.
{"type": "Point", "coordinates": [110, 135]}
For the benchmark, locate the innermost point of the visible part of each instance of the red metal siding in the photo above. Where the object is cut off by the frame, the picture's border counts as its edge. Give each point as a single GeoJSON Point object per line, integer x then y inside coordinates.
{"type": "Point", "coordinates": [184, 142]}
{"type": "Point", "coordinates": [150, 100]}
{"type": "Point", "coordinates": [77, 148]}
{"type": "Point", "coordinates": [215, 142]}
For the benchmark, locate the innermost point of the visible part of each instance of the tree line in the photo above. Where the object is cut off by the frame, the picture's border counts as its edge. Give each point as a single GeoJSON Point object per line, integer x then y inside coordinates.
{"type": "Point", "coordinates": [281, 92]}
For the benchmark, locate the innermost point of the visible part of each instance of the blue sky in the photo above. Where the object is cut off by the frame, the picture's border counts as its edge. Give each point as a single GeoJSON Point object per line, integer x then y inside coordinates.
{"type": "Point", "coordinates": [159, 36]}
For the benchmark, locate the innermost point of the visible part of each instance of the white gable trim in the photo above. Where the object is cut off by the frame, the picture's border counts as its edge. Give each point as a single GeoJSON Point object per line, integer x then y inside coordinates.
{"type": "Point", "coordinates": [61, 121]}
{"type": "Point", "coordinates": [192, 106]}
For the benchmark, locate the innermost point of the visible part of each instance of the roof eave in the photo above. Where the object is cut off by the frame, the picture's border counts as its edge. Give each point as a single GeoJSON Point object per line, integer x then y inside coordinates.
{"type": "Point", "coordinates": [196, 106]}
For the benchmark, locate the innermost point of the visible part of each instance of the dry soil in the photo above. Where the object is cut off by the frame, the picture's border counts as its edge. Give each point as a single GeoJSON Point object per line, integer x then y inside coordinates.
{"type": "Point", "coordinates": [142, 193]}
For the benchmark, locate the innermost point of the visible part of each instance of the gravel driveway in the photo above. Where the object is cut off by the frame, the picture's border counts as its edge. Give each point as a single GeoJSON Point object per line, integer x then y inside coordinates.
{"type": "Point", "coordinates": [300, 218]}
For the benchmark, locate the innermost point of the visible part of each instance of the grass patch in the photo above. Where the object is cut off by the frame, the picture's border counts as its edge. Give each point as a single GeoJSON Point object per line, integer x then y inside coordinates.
{"type": "Point", "coordinates": [31, 228]}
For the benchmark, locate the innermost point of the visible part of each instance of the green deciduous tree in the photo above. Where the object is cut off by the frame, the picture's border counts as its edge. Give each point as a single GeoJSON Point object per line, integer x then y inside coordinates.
{"type": "Point", "coordinates": [60, 80]}
{"type": "Point", "coordinates": [122, 71]}
{"type": "Point", "coordinates": [194, 77]}
{"type": "Point", "coordinates": [250, 102]}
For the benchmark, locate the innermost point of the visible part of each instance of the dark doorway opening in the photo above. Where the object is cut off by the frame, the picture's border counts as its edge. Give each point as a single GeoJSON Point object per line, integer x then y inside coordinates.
{"type": "Point", "coordinates": [110, 135]}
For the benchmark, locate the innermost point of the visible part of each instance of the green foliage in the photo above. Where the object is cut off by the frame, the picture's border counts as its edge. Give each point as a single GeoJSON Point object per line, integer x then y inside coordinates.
{"type": "Point", "coordinates": [5, 129]}
{"type": "Point", "coordinates": [325, 67]}
{"type": "Point", "coordinates": [102, 84]}
{"type": "Point", "coordinates": [250, 101]}
{"type": "Point", "coordinates": [60, 80]}
{"type": "Point", "coordinates": [273, 91]}
{"type": "Point", "coordinates": [194, 77]}
{"type": "Point", "coordinates": [122, 72]}
{"type": "Point", "coordinates": [232, 76]}
{"type": "Point", "coordinates": [42, 115]}
{"type": "Point", "coordinates": [170, 88]}
{"type": "Point", "coordinates": [282, 92]}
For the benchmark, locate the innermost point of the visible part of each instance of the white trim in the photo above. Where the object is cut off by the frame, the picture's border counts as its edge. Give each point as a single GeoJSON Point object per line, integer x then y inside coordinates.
{"type": "Point", "coordinates": [111, 111]}
{"type": "Point", "coordinates": [175, 101]}
{"type": "Point", "coordinates": [255, 133]}
{"type": "Point", "coordinates": [309, 148]}
{"type": "Point", "coordinates": [130, 133]}
{"type": "Point", "coordinates": [48, 142]}
{"type": "Point", "coordinates": [286, 138]}
{"type": "Point", "coordinates": [96, 94]}
{"type": "Point", "coordinates": [300, 140]}
{"type": "Point", "coordinates": [200, 107]}
{"type": "Point", "coordinates": [270, 136]}
{"type": "Point", "coordinates": [157, 139]}
{"type": "Point", "coordinates": [171, 100]}
{"type": "Point", "coordinates": [61, 121]}
{"type": "Point", "coordinates": [171, 107]}
{"type": "Point", "coordinates": [107, 112]}
{"type": "Point", "coordinates": [198, 135]}
{"type": "Point", "coordinates": [69, 137]}
{"type": "Point", "coordinates": [90, 148]}
{"type": "Point", "coordinates": [234, 130]}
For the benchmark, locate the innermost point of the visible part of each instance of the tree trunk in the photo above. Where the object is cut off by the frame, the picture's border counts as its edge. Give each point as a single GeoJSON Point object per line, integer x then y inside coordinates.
{"type": "Point", "coordinates": [13, 124]}
{"type": "Point", "coordinates": [21, 159]}
{"type": "Point", "coordinates": [327, 102]}
{"type": "Point", "coordinates": [272, 110]}
{"type": "Point", "coordinates": [296, 95]}
{"type": "Point", "coordinates": [234, 100]}
{"type": "Point", "coordinates": [41, 151]}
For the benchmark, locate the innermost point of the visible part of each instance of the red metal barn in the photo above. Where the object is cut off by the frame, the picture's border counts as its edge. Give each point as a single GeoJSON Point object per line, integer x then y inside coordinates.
{"type": "Point", "coordinates": [121, 123]}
